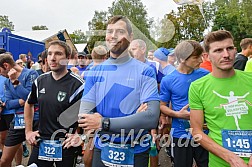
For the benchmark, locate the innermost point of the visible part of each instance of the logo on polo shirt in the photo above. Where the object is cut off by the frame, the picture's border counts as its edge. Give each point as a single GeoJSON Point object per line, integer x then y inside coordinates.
{"type": "Point", "coordinates": [61, 96]}
{"type": "Point", "coordinates": [42, 91]}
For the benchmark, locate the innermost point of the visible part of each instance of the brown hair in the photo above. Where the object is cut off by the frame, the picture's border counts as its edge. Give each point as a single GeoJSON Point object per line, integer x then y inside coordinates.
{"type": "Point", "coordinates": [62, 44]}
{"type": "Point", "coordinates": [6, 58]}
{"type": "Point", "coordinates": [215, 36]}
{"type": "Point", "coordinates": [245, 43]}
{"type": "Point", "coordinates": [116, 18]}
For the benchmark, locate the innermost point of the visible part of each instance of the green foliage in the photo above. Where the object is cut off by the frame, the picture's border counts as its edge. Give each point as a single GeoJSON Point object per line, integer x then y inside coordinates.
{"type": "Point", "coordinates": [5, 23]}
{"type": "Point", "coordinates": [97, 26]}
{"type": "Point", "coordinates": [234, 16]}
{"type": "Point", "coordinates": [78, 37]}
{"type": "Point", "coordinates": [188, 22]}
{"type": "Point", "coordinates": [39, 28]}
{"type": "Point", "coordinates": [134, 10]}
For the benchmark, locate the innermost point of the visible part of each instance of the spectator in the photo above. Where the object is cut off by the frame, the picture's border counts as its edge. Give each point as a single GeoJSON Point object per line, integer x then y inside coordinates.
{"type": "Point", "coordinates": [242, 58]}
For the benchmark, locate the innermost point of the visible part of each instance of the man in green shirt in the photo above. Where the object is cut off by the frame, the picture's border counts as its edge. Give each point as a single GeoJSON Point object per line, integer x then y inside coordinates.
{"type": "Point", "coordinates": [224, 100]}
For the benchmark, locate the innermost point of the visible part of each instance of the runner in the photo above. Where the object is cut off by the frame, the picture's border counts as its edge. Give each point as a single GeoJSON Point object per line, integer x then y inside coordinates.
{"type": "Point", "coordinates": [226, 107]}
{"type": "Point", "coordinates": [116, 89]}
{"type": "Point", "coordinates": [17, 88]}
{"type": "Point", "coordinates": [174, 88]}
{"type": "Point", "coordinates": [54, 92]}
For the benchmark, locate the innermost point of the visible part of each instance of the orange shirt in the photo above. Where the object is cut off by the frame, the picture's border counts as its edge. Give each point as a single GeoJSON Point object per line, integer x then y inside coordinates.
{"type": "Point", "coordinates": [206, 65]}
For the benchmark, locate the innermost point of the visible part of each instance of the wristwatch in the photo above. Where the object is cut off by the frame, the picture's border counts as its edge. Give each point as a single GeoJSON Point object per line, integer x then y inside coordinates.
{"type": "Point", "coordinates": [106, 124]}
{"type": "Point", "coordinates": [83, 137]}
{"type": "Point", "coordinates": [16, 82]}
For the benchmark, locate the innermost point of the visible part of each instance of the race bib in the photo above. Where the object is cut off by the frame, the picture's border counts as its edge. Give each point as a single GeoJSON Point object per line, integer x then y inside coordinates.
{"type": "Point", "coordinates": [19, 121]}
{"type": "Point", "coordinates": [50, 150]}
{"type": "Point", "coordinates": [117, 155]}
{"type": "Point", "coordinates": [238, 141]}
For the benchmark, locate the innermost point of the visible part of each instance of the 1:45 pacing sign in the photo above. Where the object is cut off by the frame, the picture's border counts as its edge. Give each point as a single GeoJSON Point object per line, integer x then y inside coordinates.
{"type": "Point", "coordinates": [238, 141]}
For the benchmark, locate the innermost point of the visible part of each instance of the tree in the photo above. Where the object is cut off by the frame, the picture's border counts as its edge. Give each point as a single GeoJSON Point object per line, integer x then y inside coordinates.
{"type": "Point", "coordinates": [136, 12]}
{"type": "Point", "coordinates": [5, 23]}
{"type": "Point", "coordinates": [234, 16]}
{"type": "Point", "coordinates": [97, 27]}
{"type": "Point", "coordinates": [39, 28]}
{"type": "Point", "coordinates": [188, 23]}
{"type": "Point", "coordinates": [78, 37]}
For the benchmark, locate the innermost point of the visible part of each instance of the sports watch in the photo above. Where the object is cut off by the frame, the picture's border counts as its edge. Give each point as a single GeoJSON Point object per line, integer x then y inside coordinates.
{"type": "Point", "coordinates": [105, 124]}
{"type": "Point", "coordinates": [16, 82]}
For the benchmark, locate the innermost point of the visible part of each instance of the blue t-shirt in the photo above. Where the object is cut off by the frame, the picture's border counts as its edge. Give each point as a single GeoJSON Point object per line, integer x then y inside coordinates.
{"type": "Point", "coordinates": [168, 69]}
{"type": "Point", "coordinates": [81, 70]}
{"type": "Point", "coordinates": [2, 96]}
{"type": "Point", "coordinates": [174, 88]}
{"type": "Point", "coordinates": [119, 89]}
{"type": "Point", "coordinates": [158, 69]}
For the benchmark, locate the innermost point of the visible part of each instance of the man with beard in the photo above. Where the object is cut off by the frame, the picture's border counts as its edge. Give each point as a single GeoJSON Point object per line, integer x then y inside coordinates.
{"type": "Point", "coordinates": [113, 92]}
{"type": "Point", "coordinates": [223, 99]}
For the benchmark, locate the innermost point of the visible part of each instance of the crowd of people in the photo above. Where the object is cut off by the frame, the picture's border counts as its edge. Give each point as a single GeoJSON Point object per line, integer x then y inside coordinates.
{"type": "Point", "coordinates": [119, 105]}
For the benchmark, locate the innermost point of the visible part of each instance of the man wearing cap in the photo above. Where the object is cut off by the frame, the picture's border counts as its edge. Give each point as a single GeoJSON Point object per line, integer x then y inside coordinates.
{"type": "Point", "coordinates": [161, 56]}
{"type": "Point", "coordinates": [82, 62]}
{"type": "Point", "coordinates": [174, 88]}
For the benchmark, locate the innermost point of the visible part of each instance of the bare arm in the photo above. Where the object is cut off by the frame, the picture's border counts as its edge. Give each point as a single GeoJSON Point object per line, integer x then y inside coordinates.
{"type": "Point", "coordinates": [197, 121]}
{"type": "Point", "coordinates": [28, 116]}
{"type": "Point", "coordinates": [183, 113]}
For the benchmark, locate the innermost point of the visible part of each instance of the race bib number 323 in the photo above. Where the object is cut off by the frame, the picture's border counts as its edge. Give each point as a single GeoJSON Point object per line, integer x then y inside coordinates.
{"type": "Point", "coordinates": [117, 155]}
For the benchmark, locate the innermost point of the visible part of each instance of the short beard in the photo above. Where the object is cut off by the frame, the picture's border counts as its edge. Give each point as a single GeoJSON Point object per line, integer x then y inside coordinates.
{"type": "Point", "coordinates": [119, 48]}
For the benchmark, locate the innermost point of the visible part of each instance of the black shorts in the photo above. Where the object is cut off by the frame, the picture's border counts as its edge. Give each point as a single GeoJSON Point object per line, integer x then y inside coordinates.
{"type": "Point", "coordinates": [140, 159]}
{"type": "Point", "coordinates": [5, 122]}
{"type": "Point", "coordinates": [69, 158]}
{"type": "Point", "coordinates": [14, 137]}
{"type": "Point", "coordinates": [17, 136]}
{"type": "Point", "coordinates": [185, 150]}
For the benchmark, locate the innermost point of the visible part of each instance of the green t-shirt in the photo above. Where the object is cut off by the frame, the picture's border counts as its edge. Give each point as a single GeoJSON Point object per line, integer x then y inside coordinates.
{"type": "Point", "coordinates": [227, 104]}
{"type": "Point", "coordinates": [248, 67]}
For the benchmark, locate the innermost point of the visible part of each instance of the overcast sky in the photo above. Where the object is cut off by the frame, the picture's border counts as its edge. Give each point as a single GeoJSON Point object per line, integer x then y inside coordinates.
{"type": "Point", "coordinates": [67, 14]}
